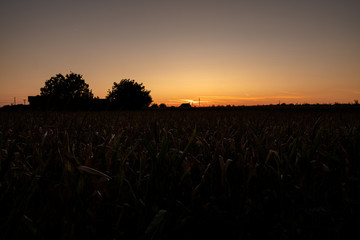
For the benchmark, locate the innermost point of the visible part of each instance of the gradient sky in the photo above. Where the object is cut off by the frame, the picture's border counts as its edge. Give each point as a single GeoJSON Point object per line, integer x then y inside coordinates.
{"type": "Point", "coordinates": [224, 52]}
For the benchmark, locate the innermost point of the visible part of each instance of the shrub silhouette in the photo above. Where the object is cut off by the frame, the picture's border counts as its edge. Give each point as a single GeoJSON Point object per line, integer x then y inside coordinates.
{"type": "Point", "coordinates": [129, 95]}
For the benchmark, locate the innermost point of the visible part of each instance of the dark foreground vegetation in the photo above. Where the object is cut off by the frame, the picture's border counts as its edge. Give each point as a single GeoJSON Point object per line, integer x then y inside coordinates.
{"type": "Point", "coordinates": [234, 174]}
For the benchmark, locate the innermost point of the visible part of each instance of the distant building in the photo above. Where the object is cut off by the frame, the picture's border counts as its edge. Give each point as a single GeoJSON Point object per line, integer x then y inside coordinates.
{"type": "Point", "coordinates": [185, 105]}
{"type": "Point", "coordinates": [46, 102]}
{"type": "Point", "coordinates": [38, 101]}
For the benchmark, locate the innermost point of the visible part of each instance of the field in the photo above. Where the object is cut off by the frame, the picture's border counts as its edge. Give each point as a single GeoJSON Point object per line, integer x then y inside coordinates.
{"type": "Point", "coordinates": [180, 174]}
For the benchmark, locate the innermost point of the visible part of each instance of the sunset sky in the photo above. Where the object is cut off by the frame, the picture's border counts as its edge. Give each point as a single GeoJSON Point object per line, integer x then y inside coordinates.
{"type": "Point", "coordinates": [223, 52]}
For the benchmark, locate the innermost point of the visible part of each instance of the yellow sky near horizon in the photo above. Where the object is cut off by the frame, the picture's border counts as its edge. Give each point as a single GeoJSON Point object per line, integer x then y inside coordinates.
{"type": "Point", "coordinates": [223, 52]}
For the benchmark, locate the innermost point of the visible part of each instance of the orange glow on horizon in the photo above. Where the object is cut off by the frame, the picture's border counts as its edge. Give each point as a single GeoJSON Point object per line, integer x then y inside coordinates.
{"type": "Point", "coordinates": [225, 53]}
{"type": "Point", "coordinates": [208, 101]}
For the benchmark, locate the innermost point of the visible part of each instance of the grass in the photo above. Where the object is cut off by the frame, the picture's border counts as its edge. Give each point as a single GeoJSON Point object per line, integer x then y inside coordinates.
{"type": "Point", "coordinates": [242, 174]}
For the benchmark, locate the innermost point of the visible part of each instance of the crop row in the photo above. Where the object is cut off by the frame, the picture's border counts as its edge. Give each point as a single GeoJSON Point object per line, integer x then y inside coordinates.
{"type": "Point", "coordinates": [179, 174]}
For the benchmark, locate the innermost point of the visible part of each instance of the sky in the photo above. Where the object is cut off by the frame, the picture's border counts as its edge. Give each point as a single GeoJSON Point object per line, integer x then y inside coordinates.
{"type": "Point", "coordinates": [224, 52]}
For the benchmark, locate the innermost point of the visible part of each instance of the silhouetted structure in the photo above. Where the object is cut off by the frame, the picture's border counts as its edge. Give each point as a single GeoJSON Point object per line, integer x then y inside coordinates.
{"type": "Point", "coordinates": [47, 103]}
{"type": "Point", "coordinates": [129, 95]}
{"type": "Point", "coordinates": [185, 105]}
{"type": "Point", "coordinates": [154, 106]}
{"type": "Point", "coordinates": [60, 92]}
{"type": "Point", "coordinates": [37, 102]}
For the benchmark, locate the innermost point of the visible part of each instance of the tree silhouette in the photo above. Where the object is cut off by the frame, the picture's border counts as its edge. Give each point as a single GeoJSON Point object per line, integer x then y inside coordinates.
{"type": "Point", "coordinates": [69, 87]}
{"type": "Point", "coordinates": [68, 92]}
{"type": "Point", "coordinates": [129, 95]}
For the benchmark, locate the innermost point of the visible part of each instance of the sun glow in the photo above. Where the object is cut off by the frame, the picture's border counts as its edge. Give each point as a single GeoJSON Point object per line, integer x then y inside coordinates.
{"type": "Point", "coordinates": [207, 101]}
{"type": "Point", "coordinates": [231, 53]}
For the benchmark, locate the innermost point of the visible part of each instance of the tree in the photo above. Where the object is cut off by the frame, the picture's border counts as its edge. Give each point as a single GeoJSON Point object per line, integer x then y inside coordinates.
{"type": "Point", "coordinates": [129, 95]}
{"type": "Point", "coordinates": [65, 92]}
{"type": "Point", "coordinates": [71, 87]}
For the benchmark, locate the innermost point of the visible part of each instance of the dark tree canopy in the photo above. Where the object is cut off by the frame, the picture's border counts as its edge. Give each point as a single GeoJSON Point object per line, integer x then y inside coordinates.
{"type": "Point", "coordinates": [70, 87]}
{"type": "Point", "coordinates": [130, 95]}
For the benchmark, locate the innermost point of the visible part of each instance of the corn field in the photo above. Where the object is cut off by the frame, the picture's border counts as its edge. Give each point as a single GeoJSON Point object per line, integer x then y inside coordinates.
{"type": "Point", "coordinates": [234, 174]}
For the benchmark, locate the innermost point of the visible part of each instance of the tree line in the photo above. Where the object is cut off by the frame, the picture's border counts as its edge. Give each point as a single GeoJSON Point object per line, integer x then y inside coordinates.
{"type": "Point", "coordinates": [71, 92]}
